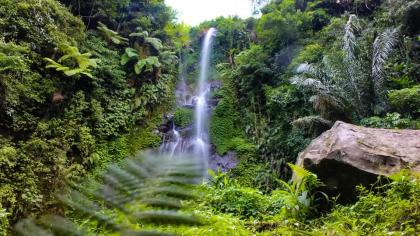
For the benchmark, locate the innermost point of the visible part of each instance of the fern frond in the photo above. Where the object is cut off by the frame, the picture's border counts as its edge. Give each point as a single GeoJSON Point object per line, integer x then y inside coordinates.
{"type": "Point", "coordinates": [147, 64]}
{"type": "Point", "coordinates": [168, 57]}
{"type": "Point", "coordinates": [154, 42]}
{"type": "Point", "coordinates": [73, 56]}
{"type": "Point", "coordinates": [110, 35]}
{"type": "Point", "coordinates": [299, 172]}
{"type": "Point", "coordinates": [140, 33]}
{"type": "Point", "coordinates": [61, 226]}
{"type": "Point", "coordinates": [27, 227]}
{"type": "Point", "coordinates": [159, 183]}
{"type": "Point", "coordinates": [167, 217]}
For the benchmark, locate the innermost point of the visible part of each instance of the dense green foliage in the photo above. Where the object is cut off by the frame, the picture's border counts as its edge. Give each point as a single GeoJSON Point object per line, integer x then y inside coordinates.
{"type": "Point", "coordinates": [183, 117]}
{"type": "Point", "coordinates": [68, 105]}
{"type": "Point", "coordinates": [307, 64]}
{"type": "Point", "coordinates": [84, 84]}
{"type": "Point", "coordinates": [393, 212]}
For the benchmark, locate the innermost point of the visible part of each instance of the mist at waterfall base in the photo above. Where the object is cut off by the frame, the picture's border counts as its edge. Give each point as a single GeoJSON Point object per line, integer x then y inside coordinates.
{"type": "Point", "coordinates": [193, 140]}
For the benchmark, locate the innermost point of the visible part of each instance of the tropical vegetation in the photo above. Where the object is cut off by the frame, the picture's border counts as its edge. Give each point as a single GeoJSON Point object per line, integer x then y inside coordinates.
{"type": "Point", "coordinates": [86, 85]}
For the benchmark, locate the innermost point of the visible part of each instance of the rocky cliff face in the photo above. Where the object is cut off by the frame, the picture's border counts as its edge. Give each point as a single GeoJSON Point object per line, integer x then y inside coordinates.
{"type": "Point", "coordinates": [347, 155]}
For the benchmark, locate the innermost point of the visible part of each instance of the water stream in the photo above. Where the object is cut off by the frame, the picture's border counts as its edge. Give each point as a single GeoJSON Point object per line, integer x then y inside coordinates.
{"type": "Point", "coordinates": [187, 142]}
{"type": "Point", "coordinates": [193, 140]}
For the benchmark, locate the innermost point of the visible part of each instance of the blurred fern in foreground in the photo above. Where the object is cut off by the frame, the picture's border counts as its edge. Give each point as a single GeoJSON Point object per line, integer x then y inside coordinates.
{"type": "Point", "coordinates": [147, 190]}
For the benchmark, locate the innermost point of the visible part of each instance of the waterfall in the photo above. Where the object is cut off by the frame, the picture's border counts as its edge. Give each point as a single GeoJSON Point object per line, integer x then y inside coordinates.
{"type": "Point", "coordinates": [179, 142]}
{"type": "Point", "coordinates": [201, 143]}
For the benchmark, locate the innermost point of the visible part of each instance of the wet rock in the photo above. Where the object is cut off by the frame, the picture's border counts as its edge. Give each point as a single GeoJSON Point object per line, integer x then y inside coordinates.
{"type": "Point", "coordinates": [348, 155]}
{"type": "Point", "coordinates": [213, 102]}
{"type": "Point", "coordinates": [223, 163]}
{"type": "Point", "coordinates": [187, 131]}
{"type": "Point", "coordinates": [189, 106]}
{"type": "Point", "coordinates": [167, 123]}
{"type": "Point", "coordinates": [215, 84]}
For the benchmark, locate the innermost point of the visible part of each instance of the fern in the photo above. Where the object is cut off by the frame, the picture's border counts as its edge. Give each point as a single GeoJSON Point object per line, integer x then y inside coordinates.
{"type": "Point", "coordinates": [79, 63]}
{"type": "Point", "coordinates": [154, 42]}
{"type": "Point", "coordinates": [159, 183]}
{"type": "Point", "coordinates": [110, 35]}
{"type": "Point", "coordinates": [168, 57]}
{"type": "Point", "coordinates": [296, 195]}
{"type": "Point", "coordinates": [147, 64]}
{"type": "Point", "coordinates": [146, 39]}
{"type": "Point", "coordinates": [130, 54]}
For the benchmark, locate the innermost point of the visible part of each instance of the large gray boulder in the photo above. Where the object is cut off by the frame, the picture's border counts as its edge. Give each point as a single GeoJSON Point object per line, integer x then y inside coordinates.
{"type": "Point", "coordinates": [348, 155]}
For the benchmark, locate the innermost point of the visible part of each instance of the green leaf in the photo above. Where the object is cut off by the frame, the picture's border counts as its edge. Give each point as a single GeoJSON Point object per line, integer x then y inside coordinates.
{"type": "Point", "coordinates": [138, 67]}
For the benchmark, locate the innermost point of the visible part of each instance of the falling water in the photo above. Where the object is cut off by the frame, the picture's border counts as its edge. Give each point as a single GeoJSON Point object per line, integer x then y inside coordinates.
{"type": "Point", "coordinates": [177, 139]}
{"type": "Point", "coordinates": [201, 145]}
{"type": "Point", "coordinates": [178, 142]}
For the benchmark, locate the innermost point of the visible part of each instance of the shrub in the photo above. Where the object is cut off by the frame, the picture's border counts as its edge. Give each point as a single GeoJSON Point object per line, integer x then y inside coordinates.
{"type": "Point", "coordinates": [243, 202]}
{"type": "Point", "coordinates": [406, 101]}
{"type": "Point", "coordinates": [310, 54]}
{"type": "Point", "coordinates": [183, 117]}
{"type": "Point", "coordinates": [4, 223]}
{"type": "Point", "coordinates": [395, 212]}
{"type": "Point", "coordinates": [390, 121]}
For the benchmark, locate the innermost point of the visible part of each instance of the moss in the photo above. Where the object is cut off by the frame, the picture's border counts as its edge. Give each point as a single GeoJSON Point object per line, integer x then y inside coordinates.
{"type": "Point", "coordinates": [143, 138]}
{"type": "Point", "coordinates": [243, 147]}
{"type": "Point", "coordinates": [223, 126]}
{"type": "Point", "coordinates": [246, 173]}
{"type": "Point", "coordinates": [225, 134]}
{"type": "Point", "coordinates": [183, 117]}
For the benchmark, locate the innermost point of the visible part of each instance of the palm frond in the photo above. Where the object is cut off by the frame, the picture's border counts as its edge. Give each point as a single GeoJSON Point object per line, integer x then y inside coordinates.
{"type": "Point", "coordinates": [314, 125]}
{"type": "Point", "coordinates": [305, 68]}
{"type": "Point", "coordinates": [326, 104]}
{"type": "Point", "coordinates": [159, 183]}
{"type": "Point", "coordinates": [310, 121]}
{"type": "Point", "coordinates": [349, 39]}
{"type": "Point", "coordinates": [307, 83]}
{"type": "Point", "coordinates": [382, 48]}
